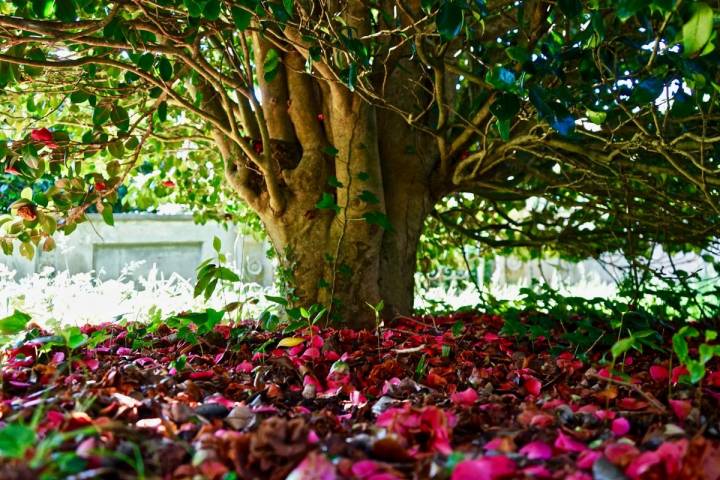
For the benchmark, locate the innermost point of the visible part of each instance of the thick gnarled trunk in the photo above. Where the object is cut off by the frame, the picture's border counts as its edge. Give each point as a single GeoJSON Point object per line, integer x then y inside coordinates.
{"type": "Point", "coordinates": [347, 264]}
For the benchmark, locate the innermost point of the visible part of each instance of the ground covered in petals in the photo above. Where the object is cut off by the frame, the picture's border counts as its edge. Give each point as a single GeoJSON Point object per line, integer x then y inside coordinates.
{"type": "Point", "coordinates": [424, 397]}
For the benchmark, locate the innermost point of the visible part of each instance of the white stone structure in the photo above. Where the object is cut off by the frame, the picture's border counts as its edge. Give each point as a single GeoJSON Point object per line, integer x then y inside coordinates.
{"type": "Point", "coordinates": [173, 243]}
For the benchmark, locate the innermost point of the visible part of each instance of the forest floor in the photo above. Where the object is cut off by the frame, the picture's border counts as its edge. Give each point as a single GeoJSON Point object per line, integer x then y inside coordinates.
{"type": "Point", "coordinates": [426, 397]}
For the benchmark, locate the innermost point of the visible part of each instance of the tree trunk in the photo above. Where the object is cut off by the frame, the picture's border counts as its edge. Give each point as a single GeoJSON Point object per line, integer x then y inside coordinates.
{"type": "Point", "coordinates": [350, 268]}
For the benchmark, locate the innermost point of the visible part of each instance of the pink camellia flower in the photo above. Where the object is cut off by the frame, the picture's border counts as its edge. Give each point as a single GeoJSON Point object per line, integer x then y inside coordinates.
{"type": "Point", "coordinates": [568, 444]}
{"type": "Point", "coordinates": [620, 426]}
{"type": "Point", "coordinates": [466, 398]}
{"type": "Point", "coordinates": [537, 451]}
{"type": "Point", "coordinates": [485, 468]}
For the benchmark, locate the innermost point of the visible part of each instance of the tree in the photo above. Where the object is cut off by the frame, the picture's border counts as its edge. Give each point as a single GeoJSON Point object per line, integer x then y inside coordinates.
{"type": "Point", "coordinates": [579, 127]}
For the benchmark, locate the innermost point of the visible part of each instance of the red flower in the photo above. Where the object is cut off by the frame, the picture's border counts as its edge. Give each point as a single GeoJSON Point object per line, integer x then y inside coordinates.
{"type": "Point", "coordinates": [258, 147]}
{"type": "Point", "coordinates": [168, 184]}
{"type": "Point", "coordinates": [100, 186]}
{"type": "Point", "coordinates": [12, 170]}
{"type": "Point", "coordinates": [42, 135]}
{"type": "Point", "coordinates": [320, 117]}
{"type": "Point", "coordinates": [45, 136]}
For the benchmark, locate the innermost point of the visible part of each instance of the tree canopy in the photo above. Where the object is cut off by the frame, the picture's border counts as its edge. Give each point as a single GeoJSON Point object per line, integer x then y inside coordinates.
{"type": "Point", "coordinates": [571, 127]}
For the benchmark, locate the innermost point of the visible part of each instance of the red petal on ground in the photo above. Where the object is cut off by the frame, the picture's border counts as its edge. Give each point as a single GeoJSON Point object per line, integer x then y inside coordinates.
{"type": "Point", "coordinates": [537, 451]}
{"type": "Point", "coordinates": [568, 444]}
{"type": "Point", "coordinates": [681, 408]}
{"type": "Point", "coordinates": [466, 398]}
{"type": "Point", "coordinates": [487, 468]}
{"type": "Point", "coordinates": [659, 373]}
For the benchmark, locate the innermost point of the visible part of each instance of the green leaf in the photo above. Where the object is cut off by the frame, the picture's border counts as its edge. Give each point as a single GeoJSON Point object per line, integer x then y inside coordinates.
{"type": "Point", "coordinates": [15, 323]}
{"type": "Point", "coordinates": [369, 197]}
{"type": "Point", "coordinates": [449, 19]}
{"type": "Point", "coordinates": [116, 149]}
{"type": "Point", "coordinates": [107, 215]}
{"type": "Point", "coordinates": [241, 17]}
{"type": "Point", "coordinates": [503, 127]}
{"type": "Point", "coordinates": [100, 115]}
{"type": "Point", "coordinates": [517, 53]}
{"type": "Point", "coordinates": [120, 118]}
{"type": "Point", "coordinates": [327, 202]}
{"type": "Point", "coordinates": [15, 440]}
{"type": "Point", "coordinates": [505, 107]}
{"type": "Point", "coordinates": [165, 69]}
{"type": "Point", "coordinates": [378, 218]}
{"type": "Point", "coordinates": [628, 8]}
{"type": "Point", "coordinates": [162, 111]}
{"type": "Point", "coordinates": [217, 244]}
{"type": "Point", "coordinates": [194, 7]}
{"type": "Point", "coordinates": [596, 117]}
{"type": "Point", "coordinates": [697, 31]}
{"type": "Point", "coordinates": [65, 10]}
{"type": "Point", "coordinates": [270, 66]}
{"type": "Point", "coordinates": [43, 8]}
{"type": "Point", "coordinates": [212, 10]}
{"type": "Point", "coordinates": [501, 78]}
{"type": "Point", "coordinates": [622, 346]}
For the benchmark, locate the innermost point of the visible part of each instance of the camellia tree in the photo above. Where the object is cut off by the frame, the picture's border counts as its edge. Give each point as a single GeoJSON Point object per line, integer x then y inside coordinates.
{"type": "Point", "coordinates": [576, 127]}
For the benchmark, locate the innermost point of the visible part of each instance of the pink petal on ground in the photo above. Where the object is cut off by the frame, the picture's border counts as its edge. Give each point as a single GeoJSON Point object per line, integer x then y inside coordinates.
{"type": "Point", "coordinates": [537, 451]}
{"type": "Point", "coordinates": [681, 408]}
{"type": "Point", "coordinates": [532, 385]}
{"type": "Point", "coordinates": [620, 453]}
{"type": "Point", "coordinates": [568, 444]}
{"type": "Point", "coordinates": [92, 364]}
{"type": "Point", "coordinates": [58, 357]}
{"type": "Point", "coordinates": [314, 467]}
{"type": "Point", "coordinates": [317, 341]}
{"type": "Point", "coordinates": [330, 355]}
{"type": "Point", "coordinates": [486, 468]}
{"type": "Point", "coordinates": [642, 464]}
{"type": "Point", "coordinates": [311, 353]}
{"type": "Point", "coordinates": [587, 459]}
{"type": "Point", "coordinates": [659, 373]}
{"type": "Point", "coordinates": [672, 454]}
{"type": "Point", "coordinates": [578, 476]}
{"type": "Point", "coordinates": [466, 398]}
{"type": "Point", "coordinates": [620, 426]}
{"type": "Point", "coordinates": [312, 437]}
{"type": "Point", "coordinates": [123, 351]}
{"type": "Point", "coordinates": [244, 367]}
{"type": "Point", "coordinates": [203, 375]}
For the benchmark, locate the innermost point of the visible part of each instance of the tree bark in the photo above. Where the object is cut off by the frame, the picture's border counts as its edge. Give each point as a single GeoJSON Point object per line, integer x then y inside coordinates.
{"type": "Point", "coordinates": [345, 263]}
